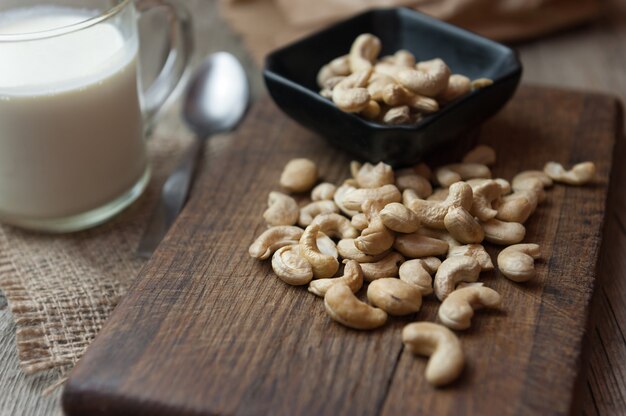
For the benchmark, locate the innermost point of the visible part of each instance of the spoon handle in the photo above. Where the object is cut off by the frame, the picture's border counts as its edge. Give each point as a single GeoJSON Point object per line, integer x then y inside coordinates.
{"type": "Point", "coordinates": [171, 201]}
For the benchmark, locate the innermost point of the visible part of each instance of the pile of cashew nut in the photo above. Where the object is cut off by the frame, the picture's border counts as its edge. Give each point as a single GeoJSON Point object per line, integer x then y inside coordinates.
{"type": "Point", "coordinates": [394, 234]}
{"type": "Point", "coordinates": [393, 90]}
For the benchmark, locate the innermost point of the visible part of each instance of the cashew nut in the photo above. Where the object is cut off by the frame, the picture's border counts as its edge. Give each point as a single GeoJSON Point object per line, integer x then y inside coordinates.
{"type": "Point", "coordinates": [282, 209]}
{"type": "Point", "coordinates": [291, 267]}
{"type": "Point", "coordinates": [326, 245]}
{"type": "Point", "coordinates": [432, 213]}
{"type": "Point", "coordinates": [452, 271]}
{"type": "Point", "coordinates": [386, 267]}
{"type": "Point", "coordinates": [364, 51]}
{"type": "Point", "coordinates": [348, 250]}
{"type": "Point", "coordinates": [352, 277]}
{"type": "Point", "coordinates": [482, 154]}
{"type": "Point", "coordinates": [455, 172]}
{"type": "Point", "coordinates": [397, 95]}
{"type": "Point", "coordinates": [315, 208]}
{"type": "Point", "coordinates": [462, 226]}
{"type": "Point", "coordinates": [299, 175]}
{"type": "Point", "coordinates": [376, 238]}
{"type": "Point", "coordinates": [527, 180]}
{"type": "Point", "coordinates": [476, 251]}
{"type": "Point", "coordinates": [416, 245]}
{"type": "Point", "coordinates": [430, 78]}
{"type": "Point", "coordinates": [377, 84]}
{"type": "Point", "coordinates": [481, 83]}
{"type": "Point", "coordinates": [371, 111]}
{"type": "Point", "coordinates": [324, 265]}
{"type": "Point", "coordinates": [340, 195]}
{"type": "Point", "coordinates": [323, 192]}
{"type": "Point", "coordinates": [579, 174]}
{"type": "Point", "coordinates": [360, 222]}
{"type": "Point", "coordinates": [439, 194]}
{"type": "Point", "coordinates": [441, 345]}
{"type": "Point", "coordinates": [394, 296]}
{"type": "Point", "coordinates": [335, 225]}
{"type": "Point", "coordinates": [457, 309]}
{"type": "Point", "coordinates": [517, 262]}
{"type": "Point", "coordinates": [387, 194]}
{"type": "Point", "coordinates": [374, 176]}
{"type": "Point", "coordinates": [418, 272]}
{"type": "Point", "coordinates": [274, 238]}
{"type": "Point", "coordinates": [350, 94]}
{"type": "Point", "coordinates": [397, 115]}
{"type": "Point", "coordinates": [516, 209]}
{"type": "Point", "coordinates": [337, 67]}
{"type": "Point", "coordinates": [344, 307]}
{"type": "Point", "coordinates": [458, 86]}
{"type": "Point", "coordinates": [389, 69]}
{"type": "Point", "coordinates": [439, 235]}
{"type": "Point", "coordinates": [503, 233]}
{"type": "Point", "coordinates": [408, 179]}
{"type": "Point", "coordinates": [401, 58]}
{"type": "Point", "coordinates": [397, 217]}
{"type": "Point", "coordinates": [485, 194]}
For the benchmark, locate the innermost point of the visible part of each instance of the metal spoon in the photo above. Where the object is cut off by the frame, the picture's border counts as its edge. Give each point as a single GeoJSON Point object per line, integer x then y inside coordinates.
{"type": "Point", "coordinates": [216, 100]}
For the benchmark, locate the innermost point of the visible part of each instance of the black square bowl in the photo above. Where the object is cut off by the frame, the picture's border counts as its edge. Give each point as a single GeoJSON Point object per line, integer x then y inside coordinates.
{"type": "Point", "coordinates": [290, 75]}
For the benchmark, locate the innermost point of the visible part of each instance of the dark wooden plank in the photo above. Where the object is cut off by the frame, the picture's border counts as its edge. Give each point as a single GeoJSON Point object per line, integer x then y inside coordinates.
{"type": "Point", "coordinates": [207, 330]}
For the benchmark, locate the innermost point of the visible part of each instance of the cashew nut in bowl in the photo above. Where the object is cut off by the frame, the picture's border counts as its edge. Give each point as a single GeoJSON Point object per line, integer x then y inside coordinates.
{"type": "Point", "coordinates": [503, 233]}
{"type": "Point", "coordinates": [291, 267]}
{"type": "Point", "coordinates": [371, 111]}
{"type": "Point", "coordinates": [387, 194]}
{"type": "Point", "coordinates": [337, 67]}
{"type": "Point", "coordinates": [416, 245]}
{"type": "Point", "coordinates": [364, 51]}
{"type": "Point", "coordinates": [517, 262]}
{"type": "Point", "coordinates": [324, 265]}
{"type": "Point", "coordinates": [441, 345]}
{"type": "Point", "coordinates": [351, 94]}
{"type": "Point", "coordinates": [374, 176]}
{"type": "Point", "coordinates": [485, 194]}
{"type": "Point", "coordinates": [400, 58]}
{"type": "Point", "coordinates": [344, 307]}
{"type": "Point", "coordinates": [462, 226]}
{"type": "Point", "coordinates": [376, 238]}
{"type": "Point", "coordinates": [314, 209]}
{"type": "Point", "coordinates": [386, 267]}
{"type": "Point", "coordinates": [397, 115]}
{"type": "Point", "coordinates": [348, 250]}
{"type": "Point", "coordinates": [418, 272]}
{"type": "Point", "coordinates": [299, 175]}
{"type": "Point", "coordinates": [476, 251]}
{"type": "Point", "coordinates": [430, 78]}
{"type": "Point", "coordinates": [394, 296]}
{"type": "Point", "coordinates": [408, 179]}
{"type": "Point", "coordinates": [455, 172]}
{"type": "Point", "coordinates": [274, 238]}
{"type": "Point", "coordinates": [457, 309]}
{"type": "Point", "coordinates": [377, 84]}
{"type": "Point", "coordinates": [458, 86]}
{"type": "Point", "coordinates": [335, 225]}
{"type": "Point", "coordinates": [323, 192]}
{"type": "Point", "coordinates": [481, 83]}
{"type": "Point", "coordinates": [482, 154]}
{"type": "Point", "coordinates": [396, 95]}
{"type": "Point", "coordinates": [432, 213]}
{"type": "Point", "coordinates": [352, 277]}
{"type": "Point", "coordinates": [397, 217]}
{"type": "Point", "coordinates": [579, 174]}
{"type": "Point", "coordinates": [439, 194]}
{"type": "Point", "coordinates": [452, 271]}
{"type": "Point", "coordinates": [282, 210]}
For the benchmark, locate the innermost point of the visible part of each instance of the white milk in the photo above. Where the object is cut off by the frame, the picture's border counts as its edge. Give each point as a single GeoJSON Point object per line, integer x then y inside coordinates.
{"type": "Point", "coordinates": [71, 137]}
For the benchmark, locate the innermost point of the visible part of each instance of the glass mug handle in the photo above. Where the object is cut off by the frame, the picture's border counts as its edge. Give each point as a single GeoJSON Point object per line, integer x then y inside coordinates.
{"type": "Point", "coordinates": [180, 41]}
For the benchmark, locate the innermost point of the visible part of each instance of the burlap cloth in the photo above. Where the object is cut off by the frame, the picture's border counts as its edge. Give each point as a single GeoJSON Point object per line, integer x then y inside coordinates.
{"type": "Point", "coordinates": [61, 289]}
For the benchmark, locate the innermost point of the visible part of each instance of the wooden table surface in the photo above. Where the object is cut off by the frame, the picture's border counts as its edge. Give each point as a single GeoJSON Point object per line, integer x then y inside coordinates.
{"type": "Point", "coordinates": [589, 57]}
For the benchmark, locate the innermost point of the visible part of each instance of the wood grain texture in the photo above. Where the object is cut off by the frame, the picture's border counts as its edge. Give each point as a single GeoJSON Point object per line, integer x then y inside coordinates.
{"type": "Point", "coordinates": [207, 330]}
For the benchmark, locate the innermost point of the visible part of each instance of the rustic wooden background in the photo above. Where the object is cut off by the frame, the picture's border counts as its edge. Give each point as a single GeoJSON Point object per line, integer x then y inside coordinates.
{"type": "Point", "coordinates": [590, 57]}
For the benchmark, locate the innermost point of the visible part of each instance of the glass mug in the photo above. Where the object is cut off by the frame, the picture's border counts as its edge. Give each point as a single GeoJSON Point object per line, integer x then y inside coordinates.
{"type": "Point", "coordinates": [72, 120]}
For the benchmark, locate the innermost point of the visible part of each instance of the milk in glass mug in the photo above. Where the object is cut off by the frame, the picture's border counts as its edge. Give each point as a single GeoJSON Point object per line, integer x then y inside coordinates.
{"type": "Point", "coordinates": [72, 120]}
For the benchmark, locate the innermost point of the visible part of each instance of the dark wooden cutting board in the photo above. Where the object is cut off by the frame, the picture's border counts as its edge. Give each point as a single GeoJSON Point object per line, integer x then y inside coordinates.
{"type": "Point", "coordinates": [205, 329]}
